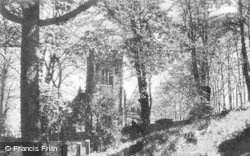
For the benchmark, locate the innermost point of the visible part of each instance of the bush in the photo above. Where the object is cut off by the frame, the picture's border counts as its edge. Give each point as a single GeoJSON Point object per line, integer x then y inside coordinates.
{"type": "Point", "coordinates": [105, 119]}
{"type": "Point", "coordinates": [200, 110]}
{"type": "Point", "coordinates": [134, 131]}
{"type": "Point", "coordinates": [164, 122]}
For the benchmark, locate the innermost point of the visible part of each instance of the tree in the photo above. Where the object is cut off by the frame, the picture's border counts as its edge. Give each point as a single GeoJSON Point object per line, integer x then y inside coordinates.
{"type": "Point", "coordinates": [141, 19]}
{"type": "Point", "coordinates": [53, 111]}
{"type": "Point", "coordinates": [197, 26]}
{"type": "Point", "coordinates": [245, 65]}
{"type": "Point", "coordinates": [177, 94]}
{"type": "Point", "coordinates": [237, 24]}
{"type": "Point", "coordinates": [10, 35]}
{"type": "Point", "coordinates": [60, 55]}
{"type": "Point", "coordinates": [105, 118]}
{"type": "Point", "coordinates": [30, 59]}
{"type": "Point", "coordinates": [203, 34]}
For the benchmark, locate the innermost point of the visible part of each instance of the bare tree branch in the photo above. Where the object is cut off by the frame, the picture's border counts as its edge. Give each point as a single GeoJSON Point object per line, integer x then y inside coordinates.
{"type": "Point", "coordinates": [8, 15]}
{"type": "Point", "coordinates": [66, 17]}
{"type": "Point", "coordinates": [112, 13]}
{"type": "Point", "coordinates": [4, 57]}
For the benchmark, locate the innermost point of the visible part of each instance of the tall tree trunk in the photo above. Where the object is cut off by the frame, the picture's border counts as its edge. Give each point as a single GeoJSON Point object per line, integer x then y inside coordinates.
{"type": "Point", "coordinates": [223, 88]}
{"type": "Point", "coordinates": [142, 83]}
{"type": "Point", "coordinates": [236, 97]}
{"type": "Point", "coordinates": [30, 128]}
{"type": "Point", "coordinates": [150, 91]}
{"type": "Point", "coordinates": [195, 67]}
{"type": "Point", "coordinates": [203, 90]}
{"type": "Point", "coordinates": [135, 46]}
{"type": "Point", "coordinates": [245, 64]}
{"type": "Point", "coordinates": [229, 82]}
{"type": "Point", "coordinates": [30, 116]}
{"type": "Point", "coordinates": [204, 78]}
{"type": "Point", "coordinates": [200, 74]}
{"type": "Point", "coordinates": [203, 71]}
{"type": "Point", "coordinates": [217, 95]}
{"type": "Point", "coordinates": [244, 91]}
{"type": "Point", "coordinates": [214, 96]}
{"type": "Point", "coordinates": [90, 86]}
{"type": "Point", "coordinates": [175, 111]}
{"type": "Point", "coordinates": [144, 97]}
{"type": "Point", "coordinates": [239, 85]}
{"type": "Point", "coordinates": [180, 111]}
{"type": "Point", "coordinates": [4, 73]}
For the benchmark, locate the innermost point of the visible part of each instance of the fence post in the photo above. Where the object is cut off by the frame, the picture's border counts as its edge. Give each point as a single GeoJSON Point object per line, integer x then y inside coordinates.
{"type": "Point", "coordinates": [64, 150]}
{"type": "Point", "coordinates": [87, 147]}
{"type": "Point", "coordinates": [78, 149]}
{"type": "Point", "coordinates": [100, 145]}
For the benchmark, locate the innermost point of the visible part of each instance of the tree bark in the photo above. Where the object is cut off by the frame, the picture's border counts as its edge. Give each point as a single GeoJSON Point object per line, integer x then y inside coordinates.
{"type": "Point", "coordinates": [30, 115]}
{"type": "Point", "coordinates": [239, 84]}
{"type": "Point", "coordinates": [30, 21]}
{"type": "Point", "coordinates": [144, 97]}
{"type": "Point", "coordinates": [180, 111]}
{"type": "Point", "coordinates": [150, 91]}
{"type": "Point", "coordinates": [136, 47]}
{"type": "Point", "coordinates": [195, 67]}
{"type": "Point", "coordinates": [203, 90]}
{"type": "Point", "coordinates": [229, 83]}
{"type": "Point", "coordinates": [245, 65]}
{"type": "Point", "coordinates": [90, 86]}
{"type": "Point", "coordinates": [4, 73]}
{"type": "Point", "coordinates": [200, 74]}
{"type": "Point", "coordinates": [222, 86]}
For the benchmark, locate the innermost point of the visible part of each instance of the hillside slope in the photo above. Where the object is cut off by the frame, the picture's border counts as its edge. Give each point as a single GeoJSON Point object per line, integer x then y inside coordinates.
{"type": "Point", "coordinates": [217, 136]}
